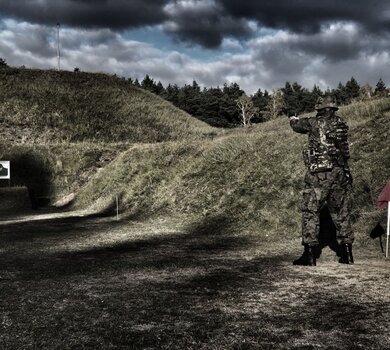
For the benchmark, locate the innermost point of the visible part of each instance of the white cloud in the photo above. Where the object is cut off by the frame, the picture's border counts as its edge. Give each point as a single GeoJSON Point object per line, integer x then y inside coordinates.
{"type": "Point", "coordinates": [231, 44]}
{"type": "Point", "coordinates": [177, 7]}
{"type": "Point", "coordinates": [332, 55]}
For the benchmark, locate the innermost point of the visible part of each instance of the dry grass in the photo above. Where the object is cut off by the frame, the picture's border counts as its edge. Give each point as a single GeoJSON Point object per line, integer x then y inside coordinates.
{"type": "Point", "coordinates": [168, 162]}
{"type": "Point", "coordinates": [39, 106]}
{"type": "Point", "coordinates": [254, 176]}
{"type": "Point", "coordinates": [92, 283]}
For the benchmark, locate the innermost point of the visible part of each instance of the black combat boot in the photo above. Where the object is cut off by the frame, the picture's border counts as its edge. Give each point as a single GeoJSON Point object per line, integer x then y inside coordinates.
{"type": "Point", "coordinates": [308, 257]}
{"type": "Point", "coordinates": [346, 257]}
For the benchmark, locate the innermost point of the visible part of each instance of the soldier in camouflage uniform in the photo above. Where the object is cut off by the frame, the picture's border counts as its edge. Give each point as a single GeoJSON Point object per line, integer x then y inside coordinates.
{"type": "Point", "coordinates": [328, 179]}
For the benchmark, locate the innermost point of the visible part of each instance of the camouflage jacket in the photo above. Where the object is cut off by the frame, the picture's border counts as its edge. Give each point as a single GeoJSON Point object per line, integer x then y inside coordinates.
{"type": "Point", "coordinates": [328, 141]}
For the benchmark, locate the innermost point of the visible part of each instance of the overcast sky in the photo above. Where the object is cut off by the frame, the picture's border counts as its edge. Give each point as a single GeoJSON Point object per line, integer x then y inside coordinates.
{"type": "Point", "coordinates": [256, 43]}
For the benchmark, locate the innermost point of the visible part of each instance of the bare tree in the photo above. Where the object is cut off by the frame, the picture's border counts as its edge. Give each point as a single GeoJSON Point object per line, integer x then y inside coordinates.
{"type": "Point", "coordinates": [275, 106]}
{"type": "Point", "coordinates": [365, 92]}
{"type": "Point", "coordinates": [247, 109]}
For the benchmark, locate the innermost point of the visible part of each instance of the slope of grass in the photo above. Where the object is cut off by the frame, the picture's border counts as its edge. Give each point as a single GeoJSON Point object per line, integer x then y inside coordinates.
{"type": "Point", "coordinates": [254, 178]}
{"type": "Point", "coordinates": [51, 106]}
{"type": "Point", "coordinates": [53, 170]}
{"type": "Point", "coordinates": [169, 163]}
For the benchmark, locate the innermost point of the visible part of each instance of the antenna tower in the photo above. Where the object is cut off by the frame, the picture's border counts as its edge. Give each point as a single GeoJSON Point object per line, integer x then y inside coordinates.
{"type": "Point", "coordinates": [58, 47]}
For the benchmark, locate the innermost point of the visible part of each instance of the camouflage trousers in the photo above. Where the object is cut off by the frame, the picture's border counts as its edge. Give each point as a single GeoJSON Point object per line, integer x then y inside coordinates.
{"type": "Point", "coordinates": [333, 188]}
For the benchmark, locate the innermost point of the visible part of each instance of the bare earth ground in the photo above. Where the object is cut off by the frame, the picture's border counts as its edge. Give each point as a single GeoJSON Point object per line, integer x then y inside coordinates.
{"type": "Point", "coordinates": [79, 282]}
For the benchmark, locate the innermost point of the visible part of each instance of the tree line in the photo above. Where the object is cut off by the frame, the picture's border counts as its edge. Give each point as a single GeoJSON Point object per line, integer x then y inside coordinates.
{"type": "Point", "coordinates": [224, 106]}
{"type": "Point", "coordinates": [229, 106]}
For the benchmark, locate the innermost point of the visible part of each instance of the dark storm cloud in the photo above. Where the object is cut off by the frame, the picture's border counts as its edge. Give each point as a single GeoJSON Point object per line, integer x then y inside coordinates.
{"type": "Point", "coordinates": [334, 43]}
{"type": "Point", "coordinates": [307, 16]}
{"type": "Point", "coordinates": [194, 21]}
{"type": "Point", "coordinates": [207, 33]}
{"type": "Point", "coordinates": [203, 22]}
{"type": "Point", "coordinates": [117, 14]}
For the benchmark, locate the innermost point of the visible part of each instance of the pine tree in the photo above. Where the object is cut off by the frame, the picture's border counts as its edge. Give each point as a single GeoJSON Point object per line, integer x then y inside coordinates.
{"type": "Point", "coordinates": [341, 94]}
{"type": "Point", "coordinates": [312, 98]}
{"type": "Point", "coordinates": [190, 99]}
{"type": "Point", "coordinates": [290, 102]}
{"type": "Point", "coordinates": [228, 106]}
{"type": "Point", "coordinates": [172, 93]}
{"type": "Point", "coordinates": [301, 96]}
{"type": "Point", "coordinates": [3, 63]}
{"type": "Point", "coordinates": [182, 98]}
{"type": "Point", "coordinates": [159, 89]}
{"type": "Point", "coordinates": [211, 104]}
{"type": "Point", "coordinates": [380, 89]}
{"type": "Point", "coordinates": [148, 84]}
{"type": "Point", "coordinates": [296, 98]}
{"type": "Point", "coordinates": [260, 101]}
{"type": "Point", "coordinates": [352, 89]}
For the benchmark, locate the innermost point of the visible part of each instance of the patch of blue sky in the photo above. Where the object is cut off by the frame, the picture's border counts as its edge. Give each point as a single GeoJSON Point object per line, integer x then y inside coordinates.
{"type": "Point", "coordinates": [2, 24]}
{"type": "Point", "coordinates": [264, 31]}
{"type": "Point", "coordinates": [155, 37]}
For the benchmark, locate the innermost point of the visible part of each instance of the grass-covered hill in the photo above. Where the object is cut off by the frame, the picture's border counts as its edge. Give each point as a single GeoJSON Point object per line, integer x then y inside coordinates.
{"type": "Point", "coordinates": [245, 179]}
{"type": "Point", "coordinates": [50, 106]}
{"type": "Point", "coordinates": [60, 128]}
{"type": "Point", "coordinates": [249, 178]}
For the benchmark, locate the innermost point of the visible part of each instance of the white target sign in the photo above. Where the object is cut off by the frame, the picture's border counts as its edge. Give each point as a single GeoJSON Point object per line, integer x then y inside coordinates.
{"type": "Point", "coordinates": [5, 169]}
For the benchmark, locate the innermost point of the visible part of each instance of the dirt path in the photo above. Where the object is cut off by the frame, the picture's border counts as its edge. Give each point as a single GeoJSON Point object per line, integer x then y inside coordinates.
{"type": "Point", "coordinates": [79, 282]}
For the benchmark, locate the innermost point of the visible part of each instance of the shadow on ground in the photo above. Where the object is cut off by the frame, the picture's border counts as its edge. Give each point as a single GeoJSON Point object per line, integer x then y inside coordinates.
{"type": "Point", "coordinates": [203, 287]}
{"type": "Point", "coordinates": [327, 236]}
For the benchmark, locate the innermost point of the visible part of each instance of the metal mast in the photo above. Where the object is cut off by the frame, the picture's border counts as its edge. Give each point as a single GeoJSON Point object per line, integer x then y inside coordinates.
{"type": "Point", "coordinates": [58, 46]}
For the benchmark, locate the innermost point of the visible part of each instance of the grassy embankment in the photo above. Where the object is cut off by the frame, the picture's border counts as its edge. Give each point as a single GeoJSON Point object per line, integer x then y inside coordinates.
{"type": "Point", "coordinates": [162, 161]}
{"type": "Point", "coordinates": [252, 178]}
{"type": "Point", "coordinates": [60, 128]}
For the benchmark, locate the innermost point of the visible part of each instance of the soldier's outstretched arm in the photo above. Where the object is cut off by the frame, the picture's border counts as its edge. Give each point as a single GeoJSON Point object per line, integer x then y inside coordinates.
{"type": "Point", "coordinates": [300, 125]}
